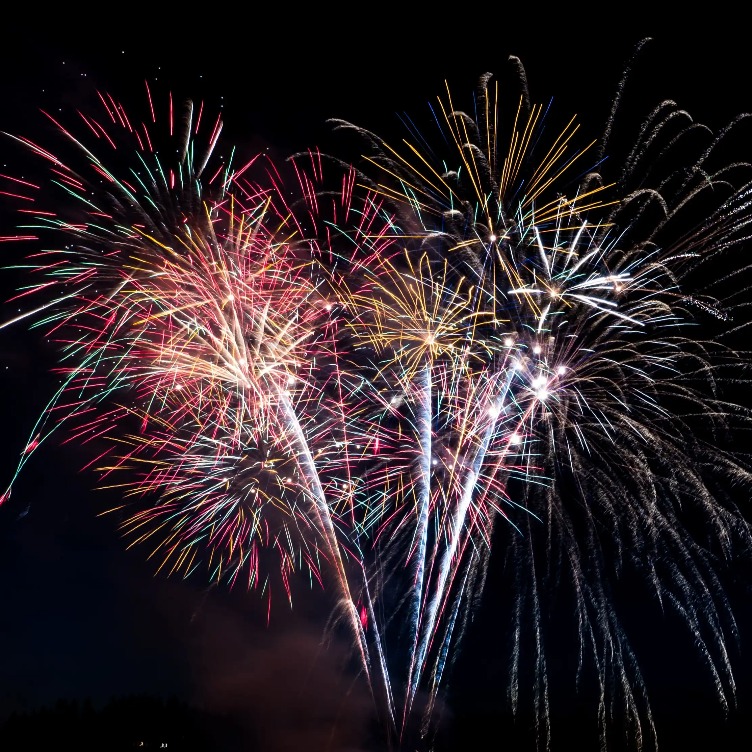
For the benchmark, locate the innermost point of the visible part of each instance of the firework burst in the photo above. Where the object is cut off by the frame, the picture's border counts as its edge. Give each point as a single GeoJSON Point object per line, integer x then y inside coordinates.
{"type": "Point", "coordinates": [599, 307]}
{"type": "Point", "coordinates": [379, 374]}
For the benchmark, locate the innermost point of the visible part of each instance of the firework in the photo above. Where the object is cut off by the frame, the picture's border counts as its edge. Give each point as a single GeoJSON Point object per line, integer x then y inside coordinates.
{"type": "Point", "coordinates": [372, 373]}
{"type": "Point", "coordinates": [596, 313]}
{"type": "Point", "coordinates": [197, 319]}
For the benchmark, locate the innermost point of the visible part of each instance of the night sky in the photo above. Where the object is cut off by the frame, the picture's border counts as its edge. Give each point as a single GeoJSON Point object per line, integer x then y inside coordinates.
{"type": "Point", "coordinates": [81, 616]}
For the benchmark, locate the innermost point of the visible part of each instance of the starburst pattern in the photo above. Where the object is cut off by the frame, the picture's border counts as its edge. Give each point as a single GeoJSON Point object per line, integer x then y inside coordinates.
{"type": "Point", "coordinates": [380, 371]}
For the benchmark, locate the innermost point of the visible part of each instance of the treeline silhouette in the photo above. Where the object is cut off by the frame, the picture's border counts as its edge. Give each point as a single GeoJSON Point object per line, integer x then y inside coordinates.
{"type": "Point", "coordinates": [136, 722]}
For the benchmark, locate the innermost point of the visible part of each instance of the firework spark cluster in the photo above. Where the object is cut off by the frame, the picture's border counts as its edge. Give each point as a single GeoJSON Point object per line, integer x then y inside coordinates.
{"type": "Point", "coordinates": [369, 370]}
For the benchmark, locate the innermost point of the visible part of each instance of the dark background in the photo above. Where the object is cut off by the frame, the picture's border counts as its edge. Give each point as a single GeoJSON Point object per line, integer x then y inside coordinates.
{"type": "Point", "coordinates": [82, 617]}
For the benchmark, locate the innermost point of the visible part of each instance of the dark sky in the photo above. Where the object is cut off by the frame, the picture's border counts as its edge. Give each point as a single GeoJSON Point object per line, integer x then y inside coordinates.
{"type": "Point", "coordinates": [81, 616]}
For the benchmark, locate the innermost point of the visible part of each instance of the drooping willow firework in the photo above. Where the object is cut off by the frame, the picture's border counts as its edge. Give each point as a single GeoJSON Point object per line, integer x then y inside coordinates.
{"type": "Point", "coordinates": [413, 357]}
{"type": "Point", "coordinates": [622, 363]}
